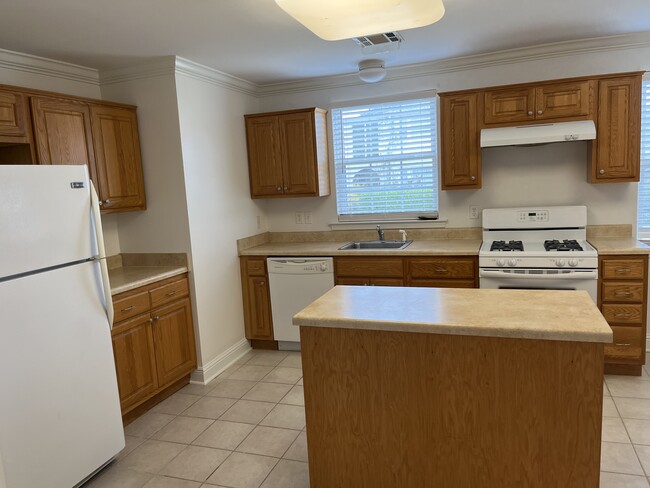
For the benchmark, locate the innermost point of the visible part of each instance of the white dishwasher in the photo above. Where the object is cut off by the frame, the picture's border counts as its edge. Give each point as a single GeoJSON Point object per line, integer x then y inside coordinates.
{"type": "Point", "coordinates": [294, 283]}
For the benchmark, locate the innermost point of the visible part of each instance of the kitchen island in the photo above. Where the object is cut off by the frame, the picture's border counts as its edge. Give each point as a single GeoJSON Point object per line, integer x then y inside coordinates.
{"type": "Point", "coordinates": [426, 387]}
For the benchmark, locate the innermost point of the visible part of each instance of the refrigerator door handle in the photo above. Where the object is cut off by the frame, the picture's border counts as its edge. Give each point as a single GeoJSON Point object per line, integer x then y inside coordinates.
{"type": "Point", "coordinates": [97, 219]}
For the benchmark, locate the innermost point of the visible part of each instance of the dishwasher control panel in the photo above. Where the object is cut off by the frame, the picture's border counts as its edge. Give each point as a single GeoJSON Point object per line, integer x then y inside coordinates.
{"type": "Point", "coordinates": [300, 266]}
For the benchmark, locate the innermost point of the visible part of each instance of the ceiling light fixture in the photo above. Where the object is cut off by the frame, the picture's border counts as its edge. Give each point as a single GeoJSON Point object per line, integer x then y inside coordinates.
{"type": "Point", "coordinates": [372, 70]}
{"type": "Point", "coordinates": [334, 20]}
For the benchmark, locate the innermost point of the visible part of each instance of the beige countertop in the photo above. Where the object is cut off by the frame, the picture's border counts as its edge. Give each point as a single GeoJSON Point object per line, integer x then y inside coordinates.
{"type": "Point", "coordinates": [129, 277]}
{"type": "Point", "coordinates": [523, 314]}
{"type": "Point", "coordinates": [434, 247]}
{"type": "Point", "coordinates": [619, 245]}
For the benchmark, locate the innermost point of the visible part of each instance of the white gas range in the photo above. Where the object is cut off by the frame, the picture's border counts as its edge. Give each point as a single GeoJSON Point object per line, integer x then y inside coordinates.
{"type": "Point", "coordinates": [538, 248]}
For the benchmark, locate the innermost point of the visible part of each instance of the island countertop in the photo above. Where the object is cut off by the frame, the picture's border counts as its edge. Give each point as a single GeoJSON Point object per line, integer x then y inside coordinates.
{"type": "Point", "coordinates": [523, 314]}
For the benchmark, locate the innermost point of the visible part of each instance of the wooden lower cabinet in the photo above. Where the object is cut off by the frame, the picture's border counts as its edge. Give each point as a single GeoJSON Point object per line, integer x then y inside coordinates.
{"type": "Point", "coordinates": [256, 298]}
{"type": "Point", "coordinates": [622, 299]}
{"type": "Point", "coordinates": [154, 349]}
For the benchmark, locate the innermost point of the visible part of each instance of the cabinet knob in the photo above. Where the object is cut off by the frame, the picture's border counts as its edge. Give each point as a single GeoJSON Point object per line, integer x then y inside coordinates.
{"type": "Point", "coordinates": [530, 112]}
{"type": "Point", "coordinates": [107, 202]}
{"type": "Point", "coordinates": [100, 203]}
{"type": "Point", "coordinates": [540, 112]}
{"type": "Point", "coordinates": [156, 317]}
{"type": "Point", "coordinates": [150, 321]}
{"type": "Point", "coordinates": [472, 177]}
{"type": "Point", "coordinates": [279, 188]}
{"type": "Point", "coordinates": [262, 283]}
{"type": "Point", "coordinates": [602, 171]}
{"type": "Point", "coordinates": [286, 188]}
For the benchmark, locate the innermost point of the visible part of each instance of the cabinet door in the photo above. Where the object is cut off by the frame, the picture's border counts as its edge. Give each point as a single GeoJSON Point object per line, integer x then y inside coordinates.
{"type": "Point", "coordinates": [258, 304]}
{"type": "Point", "coordinates": [264, 156]}
{"type": "Point", "coordinates": [298, 154]}
{"type": "Point", "coordinates": [173, 335]}
{"type": "Point", "coordinates": [615, 152]}
{"type": "Point", "coordinates": [560, 100]}
{"type": "Point", "coordinates": [135, 362]}
{"type": "Point", "coordinates": [510, 105]}
{"type": "Point", "coordinates": [117, 158]}
{"type": "Point", "coordinates": [63, 133]}
{"type": "Point", "coordinates": [13, 117]}
{"type": "Point", "coordinates": [460, 151]}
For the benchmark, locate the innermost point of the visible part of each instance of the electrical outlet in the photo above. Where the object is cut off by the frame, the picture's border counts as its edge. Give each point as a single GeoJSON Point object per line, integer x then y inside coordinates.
{"type": "Point", "coordinates": [473, 212]}
{"type": "Point", "coordinates": [300, 218]}
{"type": "Point", "coordinates": [307, 217]}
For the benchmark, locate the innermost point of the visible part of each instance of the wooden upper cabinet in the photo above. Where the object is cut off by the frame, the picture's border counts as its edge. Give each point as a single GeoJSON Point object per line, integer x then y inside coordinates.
{"type": "Point", "coordinates": [117, 158]}
{"type": "Point", "coordinates": [14, 118]}
{"type": "Point", "coordinates": [63, 132]}
{"type": "Point", "coordinates": [615, 154]}
{"type": "Point", "coordinates": [547, 101]}
{"type": "Point", "coordinates": [287, 154]}
{"type": "Point", "coordinates": [459, 141]}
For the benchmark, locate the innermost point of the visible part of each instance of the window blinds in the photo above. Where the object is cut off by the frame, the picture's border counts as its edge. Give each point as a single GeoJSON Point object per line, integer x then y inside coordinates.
{"type": "Point", "coordinates": [386, 159]}
{"type": "Point", "coordinates": [643, 214]}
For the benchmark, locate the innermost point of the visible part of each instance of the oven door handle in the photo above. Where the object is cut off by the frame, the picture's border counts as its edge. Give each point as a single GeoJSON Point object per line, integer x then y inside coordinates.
{"type": "Point", "coordinates": [573, 275]}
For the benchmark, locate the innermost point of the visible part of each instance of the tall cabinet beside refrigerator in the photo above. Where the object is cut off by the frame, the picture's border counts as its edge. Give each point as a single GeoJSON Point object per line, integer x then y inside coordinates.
{"type": "Point", "coordinates": [60, 417]}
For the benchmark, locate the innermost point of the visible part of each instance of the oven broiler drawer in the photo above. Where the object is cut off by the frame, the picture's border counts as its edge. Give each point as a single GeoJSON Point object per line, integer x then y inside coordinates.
{"type": "Point", "coordinates": [627, 345]}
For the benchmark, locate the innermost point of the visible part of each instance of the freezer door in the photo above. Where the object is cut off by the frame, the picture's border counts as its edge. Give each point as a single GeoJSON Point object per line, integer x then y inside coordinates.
{"type": "Point", "coordinates": [44, 217]}
{"type": "Point", "coordinates": [60, 415]}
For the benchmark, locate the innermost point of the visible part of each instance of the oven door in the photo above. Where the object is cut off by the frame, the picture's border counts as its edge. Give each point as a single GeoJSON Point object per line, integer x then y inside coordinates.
{"type": "Point", "coordinates": [541, 279]}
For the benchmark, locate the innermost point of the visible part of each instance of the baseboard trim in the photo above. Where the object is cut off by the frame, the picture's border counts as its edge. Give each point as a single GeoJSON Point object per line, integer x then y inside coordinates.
{"type": "Point", "coordinates": [212, 369]}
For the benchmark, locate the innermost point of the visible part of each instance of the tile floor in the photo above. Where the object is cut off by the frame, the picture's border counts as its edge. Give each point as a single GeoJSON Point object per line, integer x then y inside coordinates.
{"type": "Point", "coordinates": [246, 429]}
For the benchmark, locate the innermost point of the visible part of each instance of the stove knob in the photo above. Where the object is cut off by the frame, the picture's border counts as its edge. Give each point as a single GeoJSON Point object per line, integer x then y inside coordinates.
{"type": "Point", "coordinates": [573, 263]}
{"type": "Point", "coordinates": [512, 262]}
{"type": "Point", "coordinates": [501, 262]}
{"type": "Point", "coordinates": [560, 262]}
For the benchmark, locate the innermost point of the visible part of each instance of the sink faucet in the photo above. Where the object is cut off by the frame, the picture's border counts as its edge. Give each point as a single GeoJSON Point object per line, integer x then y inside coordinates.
{"type": "Point", "coordinates": [380, 233]}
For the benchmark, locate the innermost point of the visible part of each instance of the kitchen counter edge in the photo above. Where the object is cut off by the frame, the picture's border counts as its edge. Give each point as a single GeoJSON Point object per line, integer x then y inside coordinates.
{"type": "Point", "coordinates": [131, 277]}
{"type": "Point", "coordinates": [618, 245]}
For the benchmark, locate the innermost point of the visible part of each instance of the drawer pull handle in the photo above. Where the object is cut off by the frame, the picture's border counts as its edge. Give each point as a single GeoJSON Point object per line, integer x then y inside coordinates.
{"type": "Point", "coordinates": [622, 344]}
{"type": "Point", "coordinates": [441, 270]}
{"type": "Point", "coordinates": [171, 293]}
{"type": "Point", "coordinates": [128, 309]}
{"type": "Point", "coordinates": [623, 270]}
{"type": "Point", "coordinates": [623, 293]}
{"type": "Point", "coordinates": [626, 315]}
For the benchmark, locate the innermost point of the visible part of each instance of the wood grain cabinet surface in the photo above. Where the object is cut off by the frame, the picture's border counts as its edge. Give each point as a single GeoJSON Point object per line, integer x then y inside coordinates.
{"type": "Point", "coordinates": [14, 118]}
{"type": "Point", "coordinates": [622, 299]}
{"type": "Point", "coordinates": [153, 341]}
{"type": "Point", "coordinates": [287, 154]}
{"type": "Point", "coordinates": [256, 296]}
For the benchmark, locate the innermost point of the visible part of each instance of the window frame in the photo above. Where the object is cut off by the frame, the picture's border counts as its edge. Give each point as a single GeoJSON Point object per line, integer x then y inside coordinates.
{"type": "Point", "coordinates": [643, 233]}
{"type": "Point", "coordinates": [387, 216]}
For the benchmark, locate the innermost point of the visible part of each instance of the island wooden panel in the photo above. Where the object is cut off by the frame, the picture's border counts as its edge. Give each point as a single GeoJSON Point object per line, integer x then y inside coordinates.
{"type": "Point", "coordinates": [407, 410]}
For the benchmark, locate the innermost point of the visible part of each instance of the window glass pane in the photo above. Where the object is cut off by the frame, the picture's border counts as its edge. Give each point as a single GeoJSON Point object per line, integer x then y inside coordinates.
{"type": "Point", "coordinates": [644, 185]}
{"type": "Point", "coordinates": [386, 159]}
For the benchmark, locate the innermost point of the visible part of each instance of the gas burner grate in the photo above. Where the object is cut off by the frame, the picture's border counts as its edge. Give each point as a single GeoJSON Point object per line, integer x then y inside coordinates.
{"type": "Point", "coordinates": [507, 246]}
{"type": "Point", "coordinates": [565, 245]}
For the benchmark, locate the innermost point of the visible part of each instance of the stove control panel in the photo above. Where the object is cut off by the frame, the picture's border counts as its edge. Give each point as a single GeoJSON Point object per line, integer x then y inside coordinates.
{"type": "Point", "coordinates": [533, 215]}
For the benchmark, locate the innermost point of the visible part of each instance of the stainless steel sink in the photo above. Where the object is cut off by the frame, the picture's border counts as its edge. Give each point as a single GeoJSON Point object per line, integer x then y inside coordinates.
{"type": "Point", "coordinates": [374, 245]}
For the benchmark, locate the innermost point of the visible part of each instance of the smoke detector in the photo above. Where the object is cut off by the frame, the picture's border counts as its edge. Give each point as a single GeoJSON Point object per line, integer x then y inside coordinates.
{"type": "Point", "coordinates": [379, 43]}
{"type": "Point", "coordinates": [372, 70]}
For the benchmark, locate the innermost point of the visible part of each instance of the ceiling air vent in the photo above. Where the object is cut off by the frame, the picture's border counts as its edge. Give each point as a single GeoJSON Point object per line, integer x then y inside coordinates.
{"type": "Point", "coordinates": [379, 43]}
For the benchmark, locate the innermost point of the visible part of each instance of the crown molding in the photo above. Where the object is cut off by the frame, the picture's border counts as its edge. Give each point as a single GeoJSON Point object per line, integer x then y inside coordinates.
{"type": "Point", "coordinates": [210, 75]}
{"type": "Point", "coordinates": [165, 65]}
{"type": "Point", "coordinates": [497, 58]}
{"type": "Point", "coordinates": [37, 65]}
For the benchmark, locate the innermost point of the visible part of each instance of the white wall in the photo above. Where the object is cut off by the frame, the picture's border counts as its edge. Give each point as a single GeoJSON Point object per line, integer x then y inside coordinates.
{"type": "Point", "coordinates": [551, 175]}
{"type": "Point", "coordinates": [219, 205]}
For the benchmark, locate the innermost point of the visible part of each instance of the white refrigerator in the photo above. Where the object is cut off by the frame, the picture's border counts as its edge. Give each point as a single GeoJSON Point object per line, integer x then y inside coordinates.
{"type": "Point", "coordinates": [60, 417]}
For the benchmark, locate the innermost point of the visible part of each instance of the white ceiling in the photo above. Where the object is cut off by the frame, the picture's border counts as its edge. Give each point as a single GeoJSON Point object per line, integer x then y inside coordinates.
{"type": "Point", "coordinates": [255, 40]}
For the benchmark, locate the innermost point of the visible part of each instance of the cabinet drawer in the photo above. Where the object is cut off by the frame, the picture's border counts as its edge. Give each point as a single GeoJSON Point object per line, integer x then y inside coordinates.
{"type": "Point", "coordinates": [442, 283]}
{"type": "Point", "coordinates": [169, 292]}
{"type": "Point", "coordinates": [628, 343]}
{"type": "Point", "coordinates": [623, 314]}
{"type": "Point", "coordinates": [130, 306]}
{"type": "Point", "coordinates": [623, 268]}
{"type": "Point", "coordinates": [370, 267]}
{"type": "Point", "coordinates": [428, 268]}
{"type": "Point", "coordinates": [255, 267]}
{"type": "Point", "coordinates": [619, 291]}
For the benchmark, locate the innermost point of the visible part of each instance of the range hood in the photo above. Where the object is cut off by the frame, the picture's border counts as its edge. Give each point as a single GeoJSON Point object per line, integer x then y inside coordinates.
{"type": "Point", "coordinates": [582, 130]}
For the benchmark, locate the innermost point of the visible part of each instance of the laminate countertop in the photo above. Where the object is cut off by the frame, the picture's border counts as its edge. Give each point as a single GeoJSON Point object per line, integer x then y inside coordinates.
{"type": "Point", "coordinates": [442, 247]}
{"type": "Point", "coordinates": [523, 314]}
{"type": "Point", "coordinates": [129, 277]}
{"type": "Point", "coordinates": [619, 245]}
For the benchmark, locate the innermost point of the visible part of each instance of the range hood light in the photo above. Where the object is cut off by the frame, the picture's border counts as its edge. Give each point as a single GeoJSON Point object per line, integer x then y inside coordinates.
{"type": "Point", "coordinates": [582, 130]}
{"type": "Point", "coordinates": [334, 20]}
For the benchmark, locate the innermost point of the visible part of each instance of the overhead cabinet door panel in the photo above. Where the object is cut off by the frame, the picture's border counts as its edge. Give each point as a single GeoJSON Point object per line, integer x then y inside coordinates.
{"type": "Point", "coordinates": [460, 150]}
{"type": "Point", "coordinates": [296, 132]}
{"type": "Point", "coordinates": [264, 155]}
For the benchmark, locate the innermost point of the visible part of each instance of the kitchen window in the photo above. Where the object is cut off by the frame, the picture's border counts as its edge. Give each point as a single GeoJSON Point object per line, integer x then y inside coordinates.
{"type": "Point", "coordinates": [386, 159]}
{"type": "Point", "coordinates": [643, 214]}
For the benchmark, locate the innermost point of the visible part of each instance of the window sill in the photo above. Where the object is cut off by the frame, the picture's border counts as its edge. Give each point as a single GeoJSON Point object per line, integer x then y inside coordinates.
{"type": "Point", "coordinates": [390, 224]}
